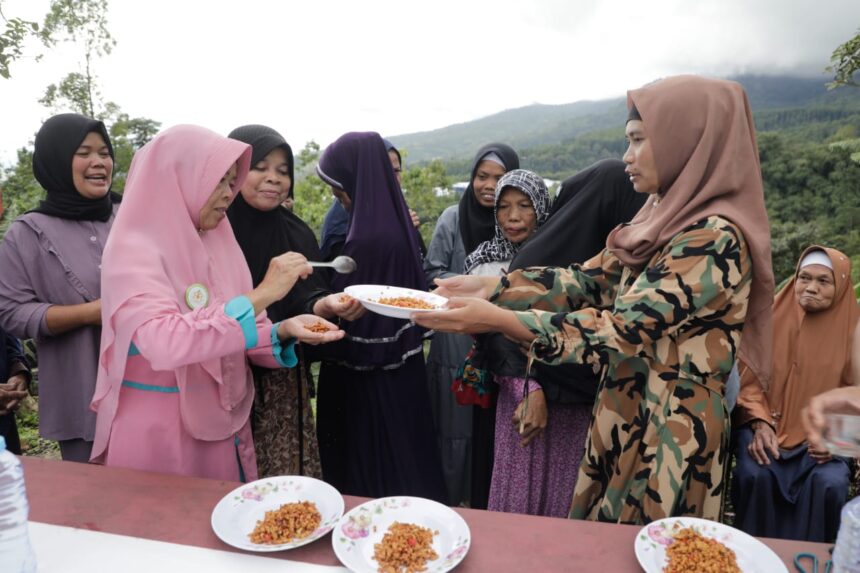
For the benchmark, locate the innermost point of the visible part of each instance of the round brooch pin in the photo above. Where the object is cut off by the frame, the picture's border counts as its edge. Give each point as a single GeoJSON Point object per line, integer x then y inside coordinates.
{"type": "Point", "coordinates": [196, 296]}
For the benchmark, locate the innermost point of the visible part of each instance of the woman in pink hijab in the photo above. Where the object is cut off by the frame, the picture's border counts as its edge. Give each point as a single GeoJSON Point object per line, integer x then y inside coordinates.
{"type": "Point", "coordinates": [181, 318]}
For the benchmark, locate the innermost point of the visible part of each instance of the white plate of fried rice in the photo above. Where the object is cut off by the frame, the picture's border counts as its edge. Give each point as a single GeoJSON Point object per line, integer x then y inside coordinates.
{"type": "Point", "coordinates": [654, 539]}
{"type": "Point", "coordinates": [359, 532]}
{"type": "Point", "coordinates": [239, 512]}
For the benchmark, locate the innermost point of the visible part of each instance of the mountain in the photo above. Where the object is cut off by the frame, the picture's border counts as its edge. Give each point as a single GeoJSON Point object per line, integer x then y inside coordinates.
{"type": "Point", "coordinates": [522, 127]}
{"type": "Point", "coordinates": [558, 140]}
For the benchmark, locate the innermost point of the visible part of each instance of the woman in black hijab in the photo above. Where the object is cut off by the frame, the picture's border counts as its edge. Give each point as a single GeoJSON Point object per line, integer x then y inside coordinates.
{"type": "Point", "coordinates": [283, 425]}
{"type": "Point", "coordinates": [477, 216]}
{"type": "Point", "coordinates": [459, 230]}
{"type": "Point", "coordinates": [50, 283]}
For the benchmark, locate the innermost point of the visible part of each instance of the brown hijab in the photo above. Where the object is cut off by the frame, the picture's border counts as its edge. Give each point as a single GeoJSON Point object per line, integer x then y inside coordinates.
{"type": "Point", "coordinates": [812, 354]}
{"type": "Point", "coordinates": [703, 138]}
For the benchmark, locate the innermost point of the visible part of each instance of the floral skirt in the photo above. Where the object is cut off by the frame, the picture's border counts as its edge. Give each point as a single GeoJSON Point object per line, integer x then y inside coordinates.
{"type": "Point", "coordinates": [285, 438]}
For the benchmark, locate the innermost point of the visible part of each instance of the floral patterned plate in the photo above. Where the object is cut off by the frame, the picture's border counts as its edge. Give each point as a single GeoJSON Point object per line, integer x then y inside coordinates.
{"type": "Point", "coordinates": [361, 528]}
{"type": "Point", "coordinates": [753, 556]}
{"type": "Point", "coordinates": [236, 515]}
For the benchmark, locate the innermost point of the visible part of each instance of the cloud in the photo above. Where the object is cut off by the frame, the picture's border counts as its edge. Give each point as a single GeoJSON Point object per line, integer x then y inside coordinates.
{"type": "Point", "coordinates": [317, 69]}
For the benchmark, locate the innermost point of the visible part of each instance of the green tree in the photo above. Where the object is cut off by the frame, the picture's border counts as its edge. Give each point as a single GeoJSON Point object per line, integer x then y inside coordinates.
{"type": "Point", "coordinates": [21, 191]}
{"type": "Point", "coordinates": [66, 20]}
{"type": "Point", "coordinates": [82, 23]}
{"type": "Point", "coordinates": [312, 196]}
{"type": "Point", "coordinates": [427, 192]}
{"type": "Point", "coordinates": [845, 61]}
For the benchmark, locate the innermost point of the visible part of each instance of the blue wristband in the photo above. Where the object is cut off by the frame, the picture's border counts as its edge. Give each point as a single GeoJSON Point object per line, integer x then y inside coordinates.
{"type": "Point", "coordinates": [241, 309]}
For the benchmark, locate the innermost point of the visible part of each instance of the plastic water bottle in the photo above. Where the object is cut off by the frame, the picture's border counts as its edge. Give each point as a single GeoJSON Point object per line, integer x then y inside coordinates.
{"type": "Point", "coordinates": [846, 555]}
{"type": "Point", "coordinates": [16, 553]}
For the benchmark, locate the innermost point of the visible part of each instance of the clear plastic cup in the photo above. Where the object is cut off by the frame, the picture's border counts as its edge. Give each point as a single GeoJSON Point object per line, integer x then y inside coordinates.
{"type": "Point", "coordinates": [846, 554]}
{"type": "Point", "coordinates": [842, 435]}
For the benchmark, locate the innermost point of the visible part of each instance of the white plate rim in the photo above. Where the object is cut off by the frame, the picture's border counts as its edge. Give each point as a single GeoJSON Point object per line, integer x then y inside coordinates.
{"type": "Point", "coordinates": [449, 562]}
{"type": "Point", "coordinates": [642, 542]}
{"type": "Point", "coordinates": [229, 497]}
{"type": "Point", "coordinates": [395, 311]}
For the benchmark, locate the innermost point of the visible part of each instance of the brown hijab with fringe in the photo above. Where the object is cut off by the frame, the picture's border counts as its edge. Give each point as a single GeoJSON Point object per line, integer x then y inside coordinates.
{"type": "Point", "coordinates": [812, 354]}
{"type": "Point", "coordinates": [703, 139]}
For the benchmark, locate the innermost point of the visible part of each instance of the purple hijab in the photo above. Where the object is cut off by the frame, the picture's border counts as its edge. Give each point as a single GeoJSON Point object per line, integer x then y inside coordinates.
{"type": "Point", "coordinates": [382, 242]}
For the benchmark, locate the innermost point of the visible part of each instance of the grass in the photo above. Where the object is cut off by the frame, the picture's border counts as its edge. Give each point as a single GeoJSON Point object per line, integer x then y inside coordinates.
{"type": "Point", "coordinates": [32, 444]}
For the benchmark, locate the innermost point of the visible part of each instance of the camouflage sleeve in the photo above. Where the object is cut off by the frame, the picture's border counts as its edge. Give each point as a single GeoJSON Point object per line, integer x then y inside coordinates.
{"type": "Point", "coordinates": [700, 267]}
{"type": "Point", "coordinates": [557, 289]}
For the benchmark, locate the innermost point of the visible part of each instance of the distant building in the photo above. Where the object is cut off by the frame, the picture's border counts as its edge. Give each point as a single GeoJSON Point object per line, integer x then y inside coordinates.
{"type": "Point", "coordinates": [460, 187]}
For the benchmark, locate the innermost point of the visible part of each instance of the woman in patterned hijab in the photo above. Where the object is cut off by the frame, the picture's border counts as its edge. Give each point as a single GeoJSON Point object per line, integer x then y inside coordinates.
{"type": "Point", "coordinates": [517, 192]}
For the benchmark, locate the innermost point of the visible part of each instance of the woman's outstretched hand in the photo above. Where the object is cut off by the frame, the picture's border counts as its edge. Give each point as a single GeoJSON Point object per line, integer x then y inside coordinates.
{"type": "Point", "coordinates": [467, 286]}
{"type": "Point", "coordinates": [463, 315]}
{"type": "Point", "coordinates": [309, 329]}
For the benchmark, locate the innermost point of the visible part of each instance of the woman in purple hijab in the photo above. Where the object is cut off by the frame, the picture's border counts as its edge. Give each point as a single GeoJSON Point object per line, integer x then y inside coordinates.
{"type": "Point", "coordinates": [374, 424]}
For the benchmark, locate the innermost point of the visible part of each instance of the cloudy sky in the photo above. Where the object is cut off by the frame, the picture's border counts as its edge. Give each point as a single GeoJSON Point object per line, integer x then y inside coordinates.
{"type": "Point", "coordinates": [314, 69]}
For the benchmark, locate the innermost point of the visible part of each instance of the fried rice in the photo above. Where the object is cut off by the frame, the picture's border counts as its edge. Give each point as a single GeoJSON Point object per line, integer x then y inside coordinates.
{"type": "Point", "coordinates": [405, 548]}
{"type": "Point", "coordinates": [406, 302]}
{"type": "Point", "coordinates": [691, 552]}
{"type": "Point", "coordinates": [316, 327]}
{"type": "Point", "coordinates": [289, 522]}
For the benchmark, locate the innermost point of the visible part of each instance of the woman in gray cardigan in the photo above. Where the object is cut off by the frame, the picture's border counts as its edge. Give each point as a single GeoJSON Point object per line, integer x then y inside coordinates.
{"type": "Point", "coordinates": [50, 281]}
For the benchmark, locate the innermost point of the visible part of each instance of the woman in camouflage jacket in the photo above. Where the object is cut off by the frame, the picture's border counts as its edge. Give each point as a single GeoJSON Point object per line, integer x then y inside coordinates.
{"type": "Point", "coordinates": [661, 310]}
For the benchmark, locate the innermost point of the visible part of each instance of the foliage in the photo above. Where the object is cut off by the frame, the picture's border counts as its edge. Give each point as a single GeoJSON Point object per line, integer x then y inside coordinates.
{"type": "Point", "coordinates": [82, 22]}
{"type": "Point", "coordinates": [66, 21]}
{"type": "Point", "coordinates": [845, 62]}
{"type": "Point", "coordinates": [127, 134]}
{"type": "Point", "coordinates": [12, 41]}
{"type": "Point", "coordinates": [811, 194]}
{"type": "Point", "coordinates": [312, 196]}
{"type": "Point", "coordinates": [21, 191]}
{"type": "Point", "coordinates": [426, 190]}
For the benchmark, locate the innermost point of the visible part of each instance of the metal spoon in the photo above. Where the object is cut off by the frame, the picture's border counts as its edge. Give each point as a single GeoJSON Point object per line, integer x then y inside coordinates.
{"type": "Point", "coordinates": [341, 264]}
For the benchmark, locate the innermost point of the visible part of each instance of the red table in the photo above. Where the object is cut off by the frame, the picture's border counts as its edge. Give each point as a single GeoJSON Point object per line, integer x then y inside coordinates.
{"type": "Point", "coordinates": [178, 509]}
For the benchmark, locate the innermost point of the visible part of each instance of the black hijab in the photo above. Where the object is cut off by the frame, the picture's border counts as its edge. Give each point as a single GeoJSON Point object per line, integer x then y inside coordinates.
{"type": "Point", "coordinates": [56, 143]}
{"type": "Point", "coordinates": [589, 205]}
{"type": "Point", "coordinates": [478, 223]}
{"type": "Point", "coordinates": [263, 235]}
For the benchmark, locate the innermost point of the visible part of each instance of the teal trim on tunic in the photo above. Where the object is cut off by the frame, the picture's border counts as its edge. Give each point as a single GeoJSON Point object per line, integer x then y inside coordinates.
{"type": "Point", "coordinates": [135, 351]}
{"type": "Point", "coordinates": [284, 352]}
{"type": "Point", "coordinates": [150, 387]}
{"type": "Point", "coordinates": [241, 309]}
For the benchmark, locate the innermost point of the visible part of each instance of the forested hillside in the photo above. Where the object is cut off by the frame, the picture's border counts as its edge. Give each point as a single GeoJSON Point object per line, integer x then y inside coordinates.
{"type": "Point", "coordinates": [809, 140]}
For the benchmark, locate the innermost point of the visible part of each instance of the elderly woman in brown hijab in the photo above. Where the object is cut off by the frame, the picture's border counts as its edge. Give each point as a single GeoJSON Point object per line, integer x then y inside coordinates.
{"type": "Point", "coordinates": [660, 311]}
{"type": "Point", "coordinates": [782, 486]}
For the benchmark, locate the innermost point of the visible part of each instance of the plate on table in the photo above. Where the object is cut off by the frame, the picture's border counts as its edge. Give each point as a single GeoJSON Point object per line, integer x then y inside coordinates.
{"type": "Point", "coordinates": [364, 526]}
{"type": "Point", "coordinates": [752, 555]}
{"type": "Point", "coordinates": [369, 296]}
{"type": "Point", "coordinates": [237, 514]}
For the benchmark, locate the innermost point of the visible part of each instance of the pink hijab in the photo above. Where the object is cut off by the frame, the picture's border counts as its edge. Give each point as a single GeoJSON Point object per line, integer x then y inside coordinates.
{"type": "Point", "coordinates": [155, 252]}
